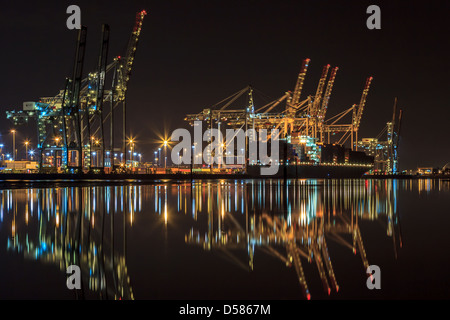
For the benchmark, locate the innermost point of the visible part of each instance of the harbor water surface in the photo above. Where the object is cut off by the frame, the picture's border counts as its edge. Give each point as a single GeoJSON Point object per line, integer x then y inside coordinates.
{"type": "Point", "coordinates": [227, 239]}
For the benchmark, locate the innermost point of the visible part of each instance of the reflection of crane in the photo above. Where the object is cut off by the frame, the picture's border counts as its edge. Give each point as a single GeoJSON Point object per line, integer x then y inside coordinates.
{"type": "Point", "coordinates": [72, 237]}
{"type": "Point", "coordinates": [267, 232]}
{"type": "Point", "coordinates": [303, 232]}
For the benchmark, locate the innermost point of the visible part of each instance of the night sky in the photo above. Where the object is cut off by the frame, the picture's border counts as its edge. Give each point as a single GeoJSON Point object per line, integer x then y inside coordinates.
{"type": "Point", "coordinates": [193, 54]}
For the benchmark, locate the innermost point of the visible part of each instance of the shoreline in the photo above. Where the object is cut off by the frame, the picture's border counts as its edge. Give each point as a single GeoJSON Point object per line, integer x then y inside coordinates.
{"type": "Point", "coordinates": [128, 177]}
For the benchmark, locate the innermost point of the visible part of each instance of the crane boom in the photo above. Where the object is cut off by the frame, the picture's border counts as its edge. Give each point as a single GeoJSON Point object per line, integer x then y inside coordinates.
{"type": "Point", "coordinates": [293, 254]}
{"type": "Point", "coordinates": [362, 103]}
{"type": "Point", "coordinates": [300, 80]}
{"type": "Point", "coordinates": [323, 110]}
{"type": "Point", "coordinates": [277, 102]}
{"type": "Point", "coordinates": [319, 91]}
{"type": "Point", "coordinates": [126, 63]}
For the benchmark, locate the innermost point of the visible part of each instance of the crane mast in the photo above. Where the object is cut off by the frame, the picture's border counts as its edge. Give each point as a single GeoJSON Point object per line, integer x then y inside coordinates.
{"type": "Point", "coordinates": [71, 106]}
{"type": "Point", "coordinates": [396, 142]}
{"type": "Point", "coordinates": [96, 104]}
{"type": "Point", "coordinates": [393, 136]}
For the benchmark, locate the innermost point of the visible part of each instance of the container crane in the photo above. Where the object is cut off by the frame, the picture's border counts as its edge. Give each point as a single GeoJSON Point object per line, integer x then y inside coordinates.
{"type": "Point", "coordinates": [76, 113]}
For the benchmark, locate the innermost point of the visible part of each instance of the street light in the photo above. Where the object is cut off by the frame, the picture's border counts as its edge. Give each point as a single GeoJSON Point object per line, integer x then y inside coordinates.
{"type": "Point", "coordinates": [26, 148]}
{"type": "Point", "coordinates": [57, 139]}
{"type": "Point", "coordinates": [1, 151]}
{"type": "Point", "coordinates": [165, 153]}
{"type": "Point", "coordinates": [131, 142]}
{"type": "Point", "coordinates": [159, 158]}
{"type": "Point", "coordinates": [14, 144]}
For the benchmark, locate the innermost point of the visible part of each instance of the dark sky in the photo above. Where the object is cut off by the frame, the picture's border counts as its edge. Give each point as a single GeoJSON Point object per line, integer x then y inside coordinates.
{"type": "Point", "coordinates": [194, 53]}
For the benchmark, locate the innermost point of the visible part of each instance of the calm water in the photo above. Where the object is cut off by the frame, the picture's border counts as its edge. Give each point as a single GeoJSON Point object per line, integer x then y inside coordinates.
{"type": "Point", "coordinates": [227, 240]}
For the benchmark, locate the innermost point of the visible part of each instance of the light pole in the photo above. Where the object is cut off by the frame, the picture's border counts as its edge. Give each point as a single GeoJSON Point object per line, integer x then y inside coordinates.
{"type": "Point", "coordinates": [165, 153]}
{"type": "Point", "coordinates": [26, 149]}
{"type": "Point", "coordinates": [156, 152]}
{"type": "Point", "coordinates": [14, 144]}
{"type": "Point", "coordinates": [131, 149]}
{"type": "Point", "coordinates": [57, 139]}
{"type": "Point", "coordinates": [1, 151]}
{"type": "Point", "coordinates": [159, 158]}
{"type": "Point", "coordinates": [192, 158]}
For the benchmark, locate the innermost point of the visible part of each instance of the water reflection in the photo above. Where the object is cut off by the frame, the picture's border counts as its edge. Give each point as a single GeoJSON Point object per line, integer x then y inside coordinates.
{"type": "Point", "coordinates": [294, 223]}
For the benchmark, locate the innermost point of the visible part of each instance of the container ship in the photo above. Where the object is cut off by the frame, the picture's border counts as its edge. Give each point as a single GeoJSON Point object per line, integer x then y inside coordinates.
{"type": "Point", "coordinates": [302, 157]}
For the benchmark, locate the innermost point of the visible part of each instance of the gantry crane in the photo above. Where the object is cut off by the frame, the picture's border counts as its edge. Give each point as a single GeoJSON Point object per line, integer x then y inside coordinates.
{"type": "Point", "coordinates": [394, 137]}
{"type": "Point", "coordinates": [385, 151]}
{"type": "Point", "coordinates": [71, 121]}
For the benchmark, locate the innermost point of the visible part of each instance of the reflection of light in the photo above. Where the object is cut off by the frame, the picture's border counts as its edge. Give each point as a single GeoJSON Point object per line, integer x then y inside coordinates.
{"type": "Point", "coordinates": [165, 206]}
{"type": "Point", "coordinates": [306, 203]}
